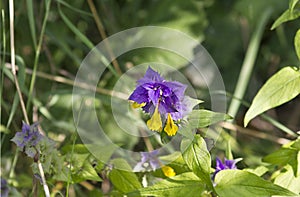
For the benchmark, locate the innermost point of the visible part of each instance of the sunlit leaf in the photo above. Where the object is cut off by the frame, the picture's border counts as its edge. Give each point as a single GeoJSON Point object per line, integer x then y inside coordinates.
{"type": "Point", "coordinates": [197, 157]}
{"type": "Point", "coordinates": [297, 43]}
{"type": "Point", "coordinates": [236, 183]}
{"type": "Point", "coordinates": [287, 180]}
{"type": "Point", "coordinates": [291, 14]}
{"type": "Point", "coordinates": [280, 88]}
{"type": "Point", "coordinates": [286, 155]}
{"type": "Point", "coordinates": [186, 184]}
{"type": "Point", "coordinates": [123, 180]}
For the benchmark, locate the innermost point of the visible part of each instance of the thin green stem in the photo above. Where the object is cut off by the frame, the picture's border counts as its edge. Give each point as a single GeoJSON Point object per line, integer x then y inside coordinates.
{"type": "Point", "coordinates": [86, 41]}
{"type": "Point", "coordinates": [248, 64]}
{"type": "Point", "coordinates": [37, 54]}
{"type": "Point", "coordinates": [13, 165]}
{"type": "Point", "coordinates": [266, 117]}
{"type": "Point", "coordinates": [73, 145]}
{"type": "Point", "coordinates": [104, 36]}
{"type": "Point", "coordinates": [278, 125]}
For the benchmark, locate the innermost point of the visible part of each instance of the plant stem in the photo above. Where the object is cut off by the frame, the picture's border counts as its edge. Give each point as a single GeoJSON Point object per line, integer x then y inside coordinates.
{"type": "Point", "coordinates": [12, 56]}
{"type": "Point", "coordinates": [13, 65]}
{"type": "Point", "coordinates": [278, 125]}
{"type": "Point", "coordinates": [37, 54]}
{"type": "Point", "coordinates": [248, 64]}
{"type": "Point", "coordinates": [103, 35]}
{"type": "Point", "coordinates": [46, 189]}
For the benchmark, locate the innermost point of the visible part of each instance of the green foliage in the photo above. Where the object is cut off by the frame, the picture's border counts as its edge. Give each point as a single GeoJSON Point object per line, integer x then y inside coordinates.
{"type": "Point", "coordinates": [291, 14]}
{"type": "Point", "coordinates": [280, 88]}
{"type": "Point", "coordinates": [297, 43]}
{"type": "Point", "coordinates": [53, 37]}
{"type": "Point", "coordinates": [288, 154]}
{"type": "Point", "coordinates": [197, 158]}
{"type": "Point", "coordinates": [186, 184]}
{"type": "Point", "coordinates": [232, 183]}
{"type": "Point", "coordinates": [122, 177]}
{"type": "Point", "coordinates": [200, 119]}
{"type": "Point", "coordinates": [287, 179]}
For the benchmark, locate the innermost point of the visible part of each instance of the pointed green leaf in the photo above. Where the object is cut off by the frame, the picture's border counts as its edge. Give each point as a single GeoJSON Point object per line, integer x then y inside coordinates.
{"type": "Point", "coordinates": [197, 157]}
{"type": "Point", "coordinates": [288, 154]}
{"type": "Point", "coordinates": [186, 184]}
{"type": "Point", "coordinates": [291, 14]}
{"type": "Point", "coordinates": [297, 43]}
{"type": "Point", "coordinates": [236, 183]}
{"type": "Point", "coordinates": [203, 118]}
{"type": "Point", "coordinates": [123, 180]}
{"type": "Point", "coordinates": [287, 180]}
{"type": "Point", "coordinates": [259, 171]}
{"type": "Point", "coordinates": [280, 88]}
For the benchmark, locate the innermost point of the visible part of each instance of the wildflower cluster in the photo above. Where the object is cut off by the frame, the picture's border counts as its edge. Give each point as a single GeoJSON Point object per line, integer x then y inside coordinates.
{"type": "Point", "coordinates": [163, 100]}
{"type": "Point", "coordinates": [28, 139]}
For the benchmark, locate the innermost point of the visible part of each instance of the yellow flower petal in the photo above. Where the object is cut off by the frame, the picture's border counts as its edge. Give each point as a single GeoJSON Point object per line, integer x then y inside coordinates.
{"type": "Point", "coordinates": [168, 171]}
{"type": "Point", "coordinates": [171, 128]}
{"type": "Point", "coordinates": [138, 105]}
{"type": "Point", "coordinates": [154, 123]}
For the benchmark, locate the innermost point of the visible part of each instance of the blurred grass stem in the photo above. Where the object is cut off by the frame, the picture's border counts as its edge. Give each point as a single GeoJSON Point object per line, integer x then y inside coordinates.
{"type": "Point", "coordinates": [103, 35]}
{"type": "Point", "coordinates": [12, 58]}
{"type": "Point", "coordinates": [37, 54]}
{"type": "Point", "coordinates": [248, 63]}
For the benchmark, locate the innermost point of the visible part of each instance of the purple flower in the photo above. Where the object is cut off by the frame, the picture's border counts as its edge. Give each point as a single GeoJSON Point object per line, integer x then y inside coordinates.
{"type": "Point", "coordinates": [28, 139]}
{"type": "Point", "coordinates": [149, 160]}
{"type": "Point", "coordinates": [228, 164]}
{"type": "Point", "coordinates": [4, 188]}
{"type": "Point", "coordinates": [163, 100]}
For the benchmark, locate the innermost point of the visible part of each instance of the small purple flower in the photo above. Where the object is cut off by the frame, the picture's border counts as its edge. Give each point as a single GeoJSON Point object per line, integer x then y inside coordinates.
{"type": "Point", "coordinates": [4, 188]}
{"type": "Point", "coordinates": [163, 100]}
{"type": "Point", "coordinates": [228, 164]}
{"type": "Point", "coordinates": [28, 139]}
{"type": "Point", "coordinates": [149, 160]}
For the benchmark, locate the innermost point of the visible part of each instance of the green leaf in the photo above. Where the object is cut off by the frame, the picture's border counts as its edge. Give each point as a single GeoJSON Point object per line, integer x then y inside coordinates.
{"type": "Point", "coordinates": [186, 184]}
{"type": "Point", "coordinates": [175, 161]}
{"type": "Point", "coordinates": [297, 43]}
{"type": "Point", "coordinates": [286, 155]}
{"type": "Point", "coordinates": [83, 169]}
{"type": "Point", "coordinates": [291, 14]}
{"type": "Point", "coordinates": [231, 183]}
{"type": "Point", "coordinates": [123, 180]}
{"type": "Point", "coordinates": [101, 153]}
{"type": "Point", "coordinates": [203, 118]}
{"type": "Point", "coordinates": [280, 88]}
{"type": "Point", "coordinates": [4, 129]}
{"type": "Point", "coordinates": [259, 171]}
{"type": "Point", "coordinates": [197, 158]}
{"type": "Point", "coordinates": [287, 180]}
{"type": "Point", "coordinates": [31, 18]}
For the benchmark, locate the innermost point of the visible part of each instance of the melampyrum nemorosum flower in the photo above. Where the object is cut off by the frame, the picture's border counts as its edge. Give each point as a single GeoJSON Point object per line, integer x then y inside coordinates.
{"type": "Point", "coordinates": [163, 100]}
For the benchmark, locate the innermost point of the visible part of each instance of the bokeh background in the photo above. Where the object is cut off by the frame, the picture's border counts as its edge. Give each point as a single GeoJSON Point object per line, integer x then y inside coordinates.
{"type": "Point", "coordinates": [73, 28]}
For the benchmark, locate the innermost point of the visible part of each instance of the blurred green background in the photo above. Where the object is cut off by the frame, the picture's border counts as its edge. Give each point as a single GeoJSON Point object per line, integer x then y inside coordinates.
{"type": "Point", "coordinates": [223, 27]}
